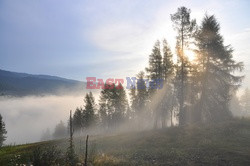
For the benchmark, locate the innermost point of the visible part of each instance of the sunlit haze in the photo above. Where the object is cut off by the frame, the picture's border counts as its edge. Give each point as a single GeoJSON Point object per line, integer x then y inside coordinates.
{"type": "Point", "coordinates": [125, 82]}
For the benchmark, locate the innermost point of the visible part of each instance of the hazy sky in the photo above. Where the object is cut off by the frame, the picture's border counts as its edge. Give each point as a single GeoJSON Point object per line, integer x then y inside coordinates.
{"type": "Point", "coordinates": [111, 38]}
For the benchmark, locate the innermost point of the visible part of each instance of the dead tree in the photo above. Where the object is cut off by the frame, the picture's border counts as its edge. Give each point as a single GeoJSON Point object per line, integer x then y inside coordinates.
{"type": "Point", "coordinates": [86, 151]}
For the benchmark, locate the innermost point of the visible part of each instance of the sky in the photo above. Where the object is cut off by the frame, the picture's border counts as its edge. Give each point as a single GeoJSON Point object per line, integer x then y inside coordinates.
{"type": "Point", "coordinates": [79, 38]}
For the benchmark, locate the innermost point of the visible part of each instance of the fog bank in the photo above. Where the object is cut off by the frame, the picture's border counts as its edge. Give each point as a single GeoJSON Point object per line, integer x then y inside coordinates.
{"type": "Point", "coordinates": [27, 117]}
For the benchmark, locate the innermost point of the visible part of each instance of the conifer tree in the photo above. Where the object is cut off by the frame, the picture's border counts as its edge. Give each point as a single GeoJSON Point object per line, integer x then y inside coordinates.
{"type": "Point", "coordinates": [60, 130]}
{"type": "Point", "coordinates": [155, 74]}
{"type": "Point", "coordinates": [105, 107]}
{"type": "Point", "coordinates": [142, 93]}
{"type": "Point", "coordinates": [119, 104]}
{"type": "Point", "coordinates": [133, 99]}
{"type": "Point", "coordinates": [113, 104]}
{"type": "Point", "coordinates": [89, 110]}
{"type": "Point", "coordinates": [103, 114]}
{"type": "Point", "coordinates": [185, 29]}
{"type": "Point", "coordinates": [167, 62]}
{"type": "Point", "coordinates": [3, 131]}
{"type": "Point", "coordinates": [78, 121]}
{"type": "Point", "coordinates": [217, 65]}
{"type": "Point", "coordinates": [71, 158]}
{"type": "Point", "coordinates": [168, 68]}
{"type": "Point", "coordinates": [155, 62]}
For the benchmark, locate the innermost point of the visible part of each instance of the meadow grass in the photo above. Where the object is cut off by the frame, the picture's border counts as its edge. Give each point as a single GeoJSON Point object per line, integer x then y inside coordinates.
{"type": "Point", "coordinates": [225, 143]}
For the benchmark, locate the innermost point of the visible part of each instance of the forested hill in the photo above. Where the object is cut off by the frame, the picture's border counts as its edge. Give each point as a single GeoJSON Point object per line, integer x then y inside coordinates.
{"type": "Point", "coordinates": [22, 84]}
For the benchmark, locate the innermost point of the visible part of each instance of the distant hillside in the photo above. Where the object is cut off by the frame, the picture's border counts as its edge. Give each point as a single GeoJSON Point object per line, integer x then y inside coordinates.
{"type": "Point", "coordinates": [22, 84]}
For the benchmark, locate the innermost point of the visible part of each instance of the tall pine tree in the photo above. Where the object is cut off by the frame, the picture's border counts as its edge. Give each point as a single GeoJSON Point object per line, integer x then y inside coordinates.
{"type": "Point", "coordinates": [139, 99]}
{"type": "Point", "coordinates": [168, 69]}
{"type": "Point", "coordinates": [155, 74]}
{"type": "Point", "coordinates": [185, 29]}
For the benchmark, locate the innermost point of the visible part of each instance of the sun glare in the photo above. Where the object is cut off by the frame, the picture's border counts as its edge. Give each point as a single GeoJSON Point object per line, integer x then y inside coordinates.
{"type": "Point", "coordinates": [190, 55]}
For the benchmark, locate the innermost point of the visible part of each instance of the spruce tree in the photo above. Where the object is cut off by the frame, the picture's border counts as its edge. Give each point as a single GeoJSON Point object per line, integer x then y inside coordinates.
{"type": "Point", "coordinates": [3, 131]}
{"type": "Point", "coordinates": [155, 61]}
{"type": "Point", "coordinates": [142, 93]}
{"type": "Point", "coordinates": [139, 97]}
{"type": "Point", "coordinates": [168, 68]}
{"type": "Point", "coordinates": [217, 66]}
{"type": "Point", "coordinates": [160, 71]}
{"type": "Point", "coordinates": [105, 107]}
{"type": "Point", "coordinates": [155, 74]}
{"type": "Point", "coordinates": [133, 98]}
{"type": "Point", "coordinates": [167, 62]}
{"type": "Point", "coordinates": [113, 104]}
{"type": "Point", "coordinates": [78, 121]}
{"type": "Point", "coordinates": [89, 110]}
{"type": "Point", "coordinates": [119, 104]}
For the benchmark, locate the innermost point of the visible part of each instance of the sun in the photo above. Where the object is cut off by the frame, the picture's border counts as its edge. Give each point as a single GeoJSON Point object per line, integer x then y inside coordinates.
{"type": "Point", "coordinates": [190, 55]}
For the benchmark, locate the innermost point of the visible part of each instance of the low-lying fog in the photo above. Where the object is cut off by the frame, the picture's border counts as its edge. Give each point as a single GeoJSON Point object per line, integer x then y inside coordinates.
{"type": "Point", "coordinates": [27, 117]}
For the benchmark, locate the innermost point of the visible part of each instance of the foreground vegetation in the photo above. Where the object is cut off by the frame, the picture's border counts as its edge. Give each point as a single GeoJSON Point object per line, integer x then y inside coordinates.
{"type": "Point", "coordinates": [225, 143]}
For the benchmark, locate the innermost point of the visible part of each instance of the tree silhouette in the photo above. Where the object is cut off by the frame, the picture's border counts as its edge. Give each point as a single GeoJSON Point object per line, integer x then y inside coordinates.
{"type": "Point", "coordinates": [3, 131]}
{"type": "Point", "coordinates": [216, 66]}
{"type": "Point", "coordinates": [185, 29]}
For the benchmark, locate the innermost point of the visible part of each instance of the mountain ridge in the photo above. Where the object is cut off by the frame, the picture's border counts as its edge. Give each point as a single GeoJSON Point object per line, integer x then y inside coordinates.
{"type": "Point", "coordinates": [23, 84]}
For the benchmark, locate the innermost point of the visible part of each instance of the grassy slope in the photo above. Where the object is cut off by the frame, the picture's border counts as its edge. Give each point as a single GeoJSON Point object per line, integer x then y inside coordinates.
{"type": "Point", "coordinates": [222, 144]}
{"type": "Point", "coordinates": [10, 153]}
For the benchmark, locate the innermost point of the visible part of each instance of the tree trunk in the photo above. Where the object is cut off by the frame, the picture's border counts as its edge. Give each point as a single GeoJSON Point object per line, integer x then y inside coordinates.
{"type": "Point", "coordinates": [86, 152]}
{"type": "Point", "coordinates": [181, 113]}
